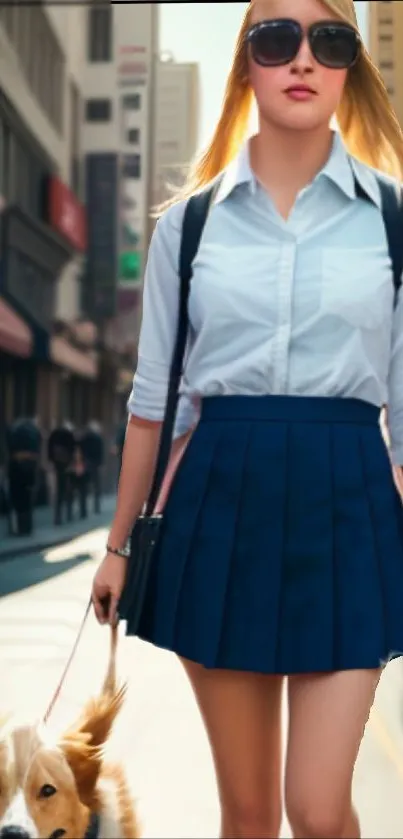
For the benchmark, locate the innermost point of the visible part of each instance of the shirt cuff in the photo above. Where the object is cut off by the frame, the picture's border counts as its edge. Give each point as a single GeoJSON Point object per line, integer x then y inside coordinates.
{"type": "Point", "coordinates": [148, 396]}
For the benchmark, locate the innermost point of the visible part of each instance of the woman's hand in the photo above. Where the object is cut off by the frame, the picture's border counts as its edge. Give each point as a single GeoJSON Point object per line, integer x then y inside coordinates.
{"type": "Point", "coordinates": [107, 588]}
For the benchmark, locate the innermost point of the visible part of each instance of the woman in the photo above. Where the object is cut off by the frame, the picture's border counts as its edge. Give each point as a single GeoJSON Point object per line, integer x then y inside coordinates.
{"type": "Point", "coordinates": [282, 549]}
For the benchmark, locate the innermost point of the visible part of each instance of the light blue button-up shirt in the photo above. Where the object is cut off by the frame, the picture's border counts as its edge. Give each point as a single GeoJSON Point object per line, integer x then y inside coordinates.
{"type": "Point", "coordinates": [302, 307]}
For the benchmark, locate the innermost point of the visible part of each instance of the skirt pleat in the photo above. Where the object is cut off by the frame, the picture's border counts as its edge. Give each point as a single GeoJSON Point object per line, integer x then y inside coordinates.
{"type": "Point", "coordinates": [202, 610]}
{"type": "Point", "coordinates": [282, 543]}
{"type": "Point", "coordinates": [357, 583]}
{"type": "Point", "coordinates": [387, 524]}
{"type": "Point", "coordinates": [250, 626]}
{"type": "Point", "coordinates": [307, 608]}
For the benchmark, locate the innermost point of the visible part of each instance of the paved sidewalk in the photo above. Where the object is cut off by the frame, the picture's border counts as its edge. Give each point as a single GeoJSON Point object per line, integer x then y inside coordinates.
{"type": "Point", "coordinates": [159, 736]}
{"type": "Point", "coordinates": [47, 535]}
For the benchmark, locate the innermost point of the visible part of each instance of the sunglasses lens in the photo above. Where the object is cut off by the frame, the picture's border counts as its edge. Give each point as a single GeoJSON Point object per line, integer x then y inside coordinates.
{"type": "Point", "coordinates": [275, 42]}
{"type": "Point", "coordinates": [335, 46]}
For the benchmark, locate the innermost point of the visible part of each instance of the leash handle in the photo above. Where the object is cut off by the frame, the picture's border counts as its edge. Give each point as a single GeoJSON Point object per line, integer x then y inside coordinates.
{"type": "Point", "coordinates": [62, 679]}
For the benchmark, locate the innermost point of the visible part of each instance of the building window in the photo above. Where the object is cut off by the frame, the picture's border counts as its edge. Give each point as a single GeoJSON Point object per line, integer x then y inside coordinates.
{"type": "Point", "coordinates": [10, 20]}
{"type": "Point", "coordinates": [43, 68]}
{"type": "Point", "coordinates": [4, 141]}
{"type": "Point", "coordinates": [386, 65]}
{"type": "Point", "coordinates": [132, 166]}
{"type": "Point", "coordinates": [133, 136]}
{"type": "Point", "coordinates": [21, 176]}
{"type": "Point", "coordinates": [387, 37]}
{"type": "Point", "coordinates": [98, 110]}
{"type": "Point", "coordinates": [75, 150]}
{"type": "Point", "coordinates": [100, 33]}
{"type": "Point", "coordinates": [132, 102]}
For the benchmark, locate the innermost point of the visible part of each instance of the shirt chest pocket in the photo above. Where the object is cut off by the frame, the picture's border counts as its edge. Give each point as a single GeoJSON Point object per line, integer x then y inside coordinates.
{"type": "Point", "coordinates": [357, 285]}
{"type": "Point", "coordinates": [236, 284]}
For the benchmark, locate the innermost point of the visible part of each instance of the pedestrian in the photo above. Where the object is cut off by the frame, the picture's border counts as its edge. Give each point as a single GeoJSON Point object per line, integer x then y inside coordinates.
{"type": "Point", "coordinates": [5, 505]}
{"type": "Point", "coordinates": [61, 447]}
{"type": "Point", "coordinates": [93, 449]}
{"type": "Point", "coordinates": [79, 475]}
{"type": "Point", "coordinates": [24, 443]}
{"type": "Point", "coordinates": [281, 549]}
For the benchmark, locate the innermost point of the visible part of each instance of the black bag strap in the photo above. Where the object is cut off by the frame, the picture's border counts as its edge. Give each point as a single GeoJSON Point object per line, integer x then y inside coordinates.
{"type": "Point", "coordinates": [392, 213]}
{"type": "Point", "coordinates": [194, 220]}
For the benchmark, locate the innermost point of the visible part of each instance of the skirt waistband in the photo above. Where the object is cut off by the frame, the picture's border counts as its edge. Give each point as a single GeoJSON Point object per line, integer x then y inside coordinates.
{"type": "Point", "coordinates": [289, 409]}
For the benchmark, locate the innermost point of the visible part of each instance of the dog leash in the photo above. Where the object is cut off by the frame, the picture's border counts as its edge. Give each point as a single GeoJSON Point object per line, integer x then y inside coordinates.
{"type": "Point", "coordinates": [69, 662]}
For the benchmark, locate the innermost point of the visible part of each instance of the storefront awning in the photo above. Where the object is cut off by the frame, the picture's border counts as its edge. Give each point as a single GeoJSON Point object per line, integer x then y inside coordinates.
{"type": "Point", "coordinates": [69, 357]}
{"type": "Point", "coordinates": [15, 335]}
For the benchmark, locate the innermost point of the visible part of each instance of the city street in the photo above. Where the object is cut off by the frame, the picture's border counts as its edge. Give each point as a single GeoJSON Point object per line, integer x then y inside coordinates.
{"type": "Point", "coordinates": [159, 736]}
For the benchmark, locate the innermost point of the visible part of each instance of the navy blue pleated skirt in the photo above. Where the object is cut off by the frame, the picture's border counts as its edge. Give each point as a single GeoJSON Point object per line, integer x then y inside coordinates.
{"type": "Point", "coordinates": [282, 543]}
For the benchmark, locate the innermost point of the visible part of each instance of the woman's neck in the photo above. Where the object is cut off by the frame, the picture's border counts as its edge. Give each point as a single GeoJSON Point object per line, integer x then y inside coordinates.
{"type": "Point", "coordinates": [285, 162]}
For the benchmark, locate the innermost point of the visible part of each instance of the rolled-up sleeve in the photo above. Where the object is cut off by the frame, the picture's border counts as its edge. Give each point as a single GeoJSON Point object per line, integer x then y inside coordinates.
{"type": "Point", "coordinates": [395, 396]}
{"type": "Point", "coordinates": [159, 319]}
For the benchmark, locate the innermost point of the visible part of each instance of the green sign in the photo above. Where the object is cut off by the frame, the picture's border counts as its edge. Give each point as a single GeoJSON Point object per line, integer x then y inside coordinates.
{"type": "Point", "coordinates": [129, 265]}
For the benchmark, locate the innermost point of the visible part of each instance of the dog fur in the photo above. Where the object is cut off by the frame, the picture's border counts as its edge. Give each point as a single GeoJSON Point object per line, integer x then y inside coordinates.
{"type": "Point", "coordinates": [50, 787]}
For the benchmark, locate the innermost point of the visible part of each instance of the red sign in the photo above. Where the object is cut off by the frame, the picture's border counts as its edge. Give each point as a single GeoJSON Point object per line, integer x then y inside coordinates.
{"type": "Point", "coordinates": [133, 67]}
{"type": "Point", "coordinates": [130, 50]}
{"type": "Point", "coordinates": [67, 214]}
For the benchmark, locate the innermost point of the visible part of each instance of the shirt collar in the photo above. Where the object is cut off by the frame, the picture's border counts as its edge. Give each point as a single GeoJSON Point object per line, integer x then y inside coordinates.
{"type": "Point", "coordinates": [238, 172]}
{"type": "Point", "coordinates": [341, 168]}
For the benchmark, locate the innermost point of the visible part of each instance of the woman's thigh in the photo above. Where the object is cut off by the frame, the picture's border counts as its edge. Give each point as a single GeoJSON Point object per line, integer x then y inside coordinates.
{"type": "Point", "coordinates": [242, 715]}
{"type": "Point", "coordinates": [327, 718]}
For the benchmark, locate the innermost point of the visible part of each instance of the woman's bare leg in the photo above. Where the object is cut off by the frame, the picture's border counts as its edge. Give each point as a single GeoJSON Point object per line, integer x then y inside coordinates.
{"type": "Point", "coordinates": [328, 714]}
{"type": "Point", "coordinates": [242, 715]}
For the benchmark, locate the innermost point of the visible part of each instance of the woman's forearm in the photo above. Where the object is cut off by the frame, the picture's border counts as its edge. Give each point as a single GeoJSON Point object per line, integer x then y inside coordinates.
{"type": "Point", "coordinates": [138, 464]}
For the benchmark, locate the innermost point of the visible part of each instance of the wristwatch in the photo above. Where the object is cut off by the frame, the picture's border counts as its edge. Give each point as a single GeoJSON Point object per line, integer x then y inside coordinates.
{"type": "Point", "coordinates": [123, 552]}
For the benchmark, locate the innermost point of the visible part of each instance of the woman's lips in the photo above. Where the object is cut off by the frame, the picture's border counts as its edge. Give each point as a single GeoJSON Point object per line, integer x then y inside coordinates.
{"type": "Point", "coordinates": [300, 93]}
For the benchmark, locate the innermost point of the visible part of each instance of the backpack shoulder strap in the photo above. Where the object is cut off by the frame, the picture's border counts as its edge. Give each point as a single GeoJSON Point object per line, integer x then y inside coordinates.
{"type": "Point", "coordinates": [392, 212]}
{"type": "Point", "coordinates": [194, 219]}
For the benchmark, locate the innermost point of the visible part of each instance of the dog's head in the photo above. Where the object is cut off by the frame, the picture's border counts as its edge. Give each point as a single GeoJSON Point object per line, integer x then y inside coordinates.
{"type": "Point", "coordinates": [48, 788]}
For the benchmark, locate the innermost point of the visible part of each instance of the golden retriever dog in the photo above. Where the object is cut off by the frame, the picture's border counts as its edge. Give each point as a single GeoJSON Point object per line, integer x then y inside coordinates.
{"type": "Point", "coordinates": [61, 786]}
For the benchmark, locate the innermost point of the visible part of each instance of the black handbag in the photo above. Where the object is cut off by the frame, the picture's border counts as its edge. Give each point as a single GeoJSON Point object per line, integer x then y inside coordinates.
{"type": "Point", "coordinates": [148, 525]}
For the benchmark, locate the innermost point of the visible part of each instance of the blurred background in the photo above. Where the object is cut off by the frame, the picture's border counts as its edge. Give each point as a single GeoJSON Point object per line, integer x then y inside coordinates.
{"type": "Point", "coordinates": [102, 107]}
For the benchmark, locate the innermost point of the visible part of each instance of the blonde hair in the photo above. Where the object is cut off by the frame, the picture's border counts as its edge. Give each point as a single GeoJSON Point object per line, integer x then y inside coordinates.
{"type": "Point", "coordinates": [366, 119]}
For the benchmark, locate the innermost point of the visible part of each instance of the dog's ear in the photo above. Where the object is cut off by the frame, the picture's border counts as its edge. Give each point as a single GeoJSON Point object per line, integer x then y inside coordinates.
{"type": "Point", "coordinates": [84, 742]}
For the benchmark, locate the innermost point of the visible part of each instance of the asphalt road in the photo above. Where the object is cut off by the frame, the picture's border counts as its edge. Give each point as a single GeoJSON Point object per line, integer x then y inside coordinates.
{"type": "Point", "coordinates": [159, 736]}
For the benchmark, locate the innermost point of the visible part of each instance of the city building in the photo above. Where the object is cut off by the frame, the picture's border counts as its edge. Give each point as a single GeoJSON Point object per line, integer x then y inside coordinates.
{"type": "Point", "coordinates": [42, 215]}
{"type": "Point", "coordinates": [93, 125]}
{"type": "Point", "coordinates": [118, 84]}
{"type": "Point", "coordinates": [385, 45]}
{"type": "Point", "coordinates": [140, 131]}
{"type": "Point", "coordinates": [177, 106]}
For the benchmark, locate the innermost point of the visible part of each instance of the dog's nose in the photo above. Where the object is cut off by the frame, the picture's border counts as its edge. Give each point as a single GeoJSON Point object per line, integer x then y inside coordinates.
{"type": "Point", "coordinates": [14, 831]}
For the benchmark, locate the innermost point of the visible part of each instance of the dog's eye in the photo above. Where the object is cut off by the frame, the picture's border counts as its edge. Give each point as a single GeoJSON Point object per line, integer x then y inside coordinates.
{"type": "Point", "coordinates": [47, 791]}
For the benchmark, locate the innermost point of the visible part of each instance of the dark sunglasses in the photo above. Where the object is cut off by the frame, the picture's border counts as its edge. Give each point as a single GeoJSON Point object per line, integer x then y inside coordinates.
{"type": "Point", "coordinates": [275, 42]}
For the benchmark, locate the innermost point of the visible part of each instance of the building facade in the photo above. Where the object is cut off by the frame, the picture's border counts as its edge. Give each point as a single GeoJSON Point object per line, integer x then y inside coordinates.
{"type": "Point", "coordinates": [42, 215]}
{"type": "Point", "coordinates": [118, 84]}
{"type": "Point", "coordinates": [140, 130]}
{"type": "Point", "coordinates": [177, 106]}
{"type": "Point", "coordinates": [93, 124]}
{"type": "Point", "coordinates": [385, 45]}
